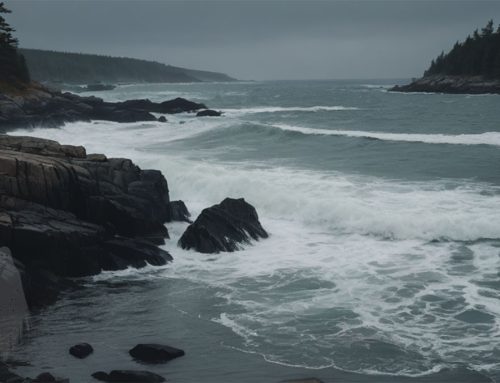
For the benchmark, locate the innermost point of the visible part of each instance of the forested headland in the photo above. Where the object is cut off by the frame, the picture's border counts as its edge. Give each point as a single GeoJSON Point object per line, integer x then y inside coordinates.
{"type": "Point", "coordinates": [80, 68]}
{"type": "Point", "coordinates": [471, 66]}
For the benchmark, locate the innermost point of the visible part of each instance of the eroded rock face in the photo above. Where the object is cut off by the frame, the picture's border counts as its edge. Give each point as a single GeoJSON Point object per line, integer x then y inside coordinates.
{"type": "Point", "coordinates": [223, 227]}
{"type": "Point", "coordinates": [68, 215]}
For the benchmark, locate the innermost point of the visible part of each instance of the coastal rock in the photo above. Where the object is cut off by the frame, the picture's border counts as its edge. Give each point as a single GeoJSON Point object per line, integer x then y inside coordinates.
{"type": "Point", "coordinates": [128, 376]}
{"type": "Point", "coordinates": [65, 215]}
{"type": "Point", "coordinates": [40, 106]}
{"type": "Point", "coordinates": [81, 350]}
{"type": "Point", "coordinates": [155, 353]}
{"type": "Point", "coordinates": [7, 376]}
{"type": "Point", "coordinates": [208, 113]}
{"type": "Point", "coordinates": [162, 119]}
{"type": "Point", "coordinates": [451, 84]}
{"type": "Point", "coordinates": [223, 227]}
{"type": "Point", "coordinates": [179, 212]}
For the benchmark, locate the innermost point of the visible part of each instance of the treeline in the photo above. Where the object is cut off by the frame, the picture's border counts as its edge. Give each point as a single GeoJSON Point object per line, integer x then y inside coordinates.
{"type": "Point", "coordinates": [79, 68]}
{"type": "Point", "coordinates": [13, 69]}
{"type": "Point", "coordinates": [478, 55]}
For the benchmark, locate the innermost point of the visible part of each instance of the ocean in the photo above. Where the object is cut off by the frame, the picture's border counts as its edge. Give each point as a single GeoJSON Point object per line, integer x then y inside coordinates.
{"type": "Point", "coordinates": [383, 262]}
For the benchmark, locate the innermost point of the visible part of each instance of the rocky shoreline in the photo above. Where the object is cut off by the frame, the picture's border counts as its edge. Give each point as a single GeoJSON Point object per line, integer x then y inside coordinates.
{"type": "Point", "coordinates": [66, 214]}
{"type": "Point", "coordinates": [451, 84]}
{"type": "Point", "coordinates": [38, 106]}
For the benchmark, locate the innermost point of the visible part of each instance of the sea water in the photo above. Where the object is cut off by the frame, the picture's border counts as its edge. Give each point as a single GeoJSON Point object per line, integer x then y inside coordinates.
{"type": "Point", "coordinates": [383, 262]}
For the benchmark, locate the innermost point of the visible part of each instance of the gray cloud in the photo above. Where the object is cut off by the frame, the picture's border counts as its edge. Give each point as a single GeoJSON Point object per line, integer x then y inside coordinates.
{"type": "Point", "coordinates": [258, 39]}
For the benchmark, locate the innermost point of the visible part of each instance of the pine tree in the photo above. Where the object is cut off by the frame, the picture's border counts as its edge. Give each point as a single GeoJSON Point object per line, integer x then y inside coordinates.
{"type": "Point", "coordinates": [13, 68]}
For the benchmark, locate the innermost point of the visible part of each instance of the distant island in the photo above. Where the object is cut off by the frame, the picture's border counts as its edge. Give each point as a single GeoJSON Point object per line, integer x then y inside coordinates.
{"type": "Point", "coordinates": [79, 68]}
{"type": "Point", "coordinates": [472, 67]}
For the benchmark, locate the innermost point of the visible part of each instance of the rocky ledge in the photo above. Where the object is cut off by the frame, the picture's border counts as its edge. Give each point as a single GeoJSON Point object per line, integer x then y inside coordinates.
{"type": "Point", "coordinates": [37, 106]}
{"type": "Point", "coordinates": [65, 213]}
{"type": "Point", "coordinates": [451, 84]}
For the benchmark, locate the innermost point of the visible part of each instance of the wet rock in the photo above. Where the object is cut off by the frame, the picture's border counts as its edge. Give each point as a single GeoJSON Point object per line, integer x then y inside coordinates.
{"type": "Point", "coordinates": [223, 227]}
{"type": "Point", "coordinates": [162, 119]}
{"type": "Point", "coordinates": [451, 84]}
{"type": "Point", "coordinates": [128, 376]}
{"type": "Point", "coordinates": [64, 214]}
{"type": "Point", "coordinates": [40, 106]}
{"type": "Point", "coordinates": [155, 353]}
{"type": "Point", "coordinates": [81, 350]}
{"type": "Point", "coordinates": [208, 113]}
{"type": "Point", "coordinates": [304, 380]}
{"type": "Point", "coordinates": [179, 212]}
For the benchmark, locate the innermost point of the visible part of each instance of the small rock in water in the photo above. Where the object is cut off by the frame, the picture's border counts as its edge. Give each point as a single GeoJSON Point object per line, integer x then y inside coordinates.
{"type": "Point", "coordinates": [162, 119]}
{"type": "Point", "coordinates": [208, 113]}
{"type": "Point", "coordinates": [305, 380]}
{"type": "Point", "coordinates": [47, 377]}
{"type": "Point", "coordinates": [81, 350]}
{"type": "Point", "coordinates": [179, 212]}
{"type": "Point", "coordinates": [155, 353]}
{"type": "Point", "coordinates": [128, 376]}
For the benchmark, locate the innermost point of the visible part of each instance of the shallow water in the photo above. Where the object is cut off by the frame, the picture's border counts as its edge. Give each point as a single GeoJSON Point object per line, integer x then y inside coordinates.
{"type": "Point", "coordinates": [383, 262]}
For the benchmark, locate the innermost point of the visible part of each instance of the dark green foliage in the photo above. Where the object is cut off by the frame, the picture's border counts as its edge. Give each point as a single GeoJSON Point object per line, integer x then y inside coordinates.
{"type": "Point", "coordinates": [78, 68]}
{"type": "Point", "coordinates": [478, 55]}
{"type": "Point", "coordinates": [13, 69]}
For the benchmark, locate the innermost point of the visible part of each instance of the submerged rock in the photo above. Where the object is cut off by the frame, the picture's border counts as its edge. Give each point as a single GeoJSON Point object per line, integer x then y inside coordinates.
{"type": "Point", "coordinates": [223, 227]}
{"type": "Point", "coordinates": [155, 353]}
{"type": "Point", "coordinates": [208, 113]}
{"type": "Point", "coordinates": [81, 350]}
{"type": "Point", "coordinates": [128, 376]}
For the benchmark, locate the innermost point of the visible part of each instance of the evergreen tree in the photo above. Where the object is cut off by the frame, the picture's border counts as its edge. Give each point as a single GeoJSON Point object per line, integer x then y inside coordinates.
{"type": "Point", "coordinates": [13, 68]}
{"type": "Point", "coordinates": [478, 55]}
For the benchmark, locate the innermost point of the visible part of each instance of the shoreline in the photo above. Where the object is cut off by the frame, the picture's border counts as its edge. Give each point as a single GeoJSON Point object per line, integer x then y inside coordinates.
{"type": "Point", "coordinates": [474, 85]}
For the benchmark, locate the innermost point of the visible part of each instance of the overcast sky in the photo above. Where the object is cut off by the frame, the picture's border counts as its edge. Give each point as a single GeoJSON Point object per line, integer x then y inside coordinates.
{"type": "Point", "coordinates": [258, 39]}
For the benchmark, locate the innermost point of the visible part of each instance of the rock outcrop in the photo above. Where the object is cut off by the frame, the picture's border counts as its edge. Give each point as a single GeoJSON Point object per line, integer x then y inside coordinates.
{"type": "Point", "coordinates": [451, 84]}
{"type": "Point", "coordinates": [223, 227]}
{"type": "Point", "coordinates": [40, 106]}
{"type": "Point", "coordinates": [155, 353]}
{"type": "Point", "coordinates": [66, 214]}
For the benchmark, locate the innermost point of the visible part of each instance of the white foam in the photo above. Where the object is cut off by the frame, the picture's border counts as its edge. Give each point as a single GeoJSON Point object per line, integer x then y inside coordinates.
{"type": "Point", "coordinates": [275, 109]}
{"type": "Point", "coordinates": [486, 138]}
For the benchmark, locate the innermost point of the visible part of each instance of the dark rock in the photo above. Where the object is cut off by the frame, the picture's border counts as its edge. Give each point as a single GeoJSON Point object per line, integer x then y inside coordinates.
{"type": "Point", "coordinates": [40, 106]}
{"type": "Point", "coordinates": [64, 214]}
{"type": "Point", "coordinates": [45, 377]}
{"type": "Point", "coordinates": [451, 84]}
{"type": "Point", "coordinates": [304, 380]}
{"type": "Point", "coordinates": [97, 157]}
{"type": "Point", "coordinates": [179, 212]}
{"type": "Point", "coordinates": [81, 350]}
{"type": "Point", "coordinates": [6, 376]}
{"type": "Point", "coordinates": [162, 119]}
{"type": "Point", "coordinates": [98, 87]}
{"type": "Point", "coordinates": [208, 113]}
{"type": "Point", "coordinates": [222, 227]}
{"type": "Point", "coordinates": [126, 376]}
{"type": "Point", "coordinates": [155, 353]}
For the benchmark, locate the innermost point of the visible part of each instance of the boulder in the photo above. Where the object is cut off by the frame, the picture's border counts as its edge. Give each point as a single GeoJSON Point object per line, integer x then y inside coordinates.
{"type": "Point", "coordinates": [128, 376]}
{"type": "Point", "coordinates": [162, 119]}
{"type": "Point", "coordinates": [208, 113]}
{"type": "Point", "coordinates": [155, 353]}
{"type": "Point", "coordinates": [179, 212]}
{"type": "Point", "coordinates": [223, 227]}
{"type": "Point", "coordinates": [81, 350]}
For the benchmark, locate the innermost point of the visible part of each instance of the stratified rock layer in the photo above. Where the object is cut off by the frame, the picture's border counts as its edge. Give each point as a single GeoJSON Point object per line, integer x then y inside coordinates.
{"type": "Point", "coordinates": [64, 214]}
